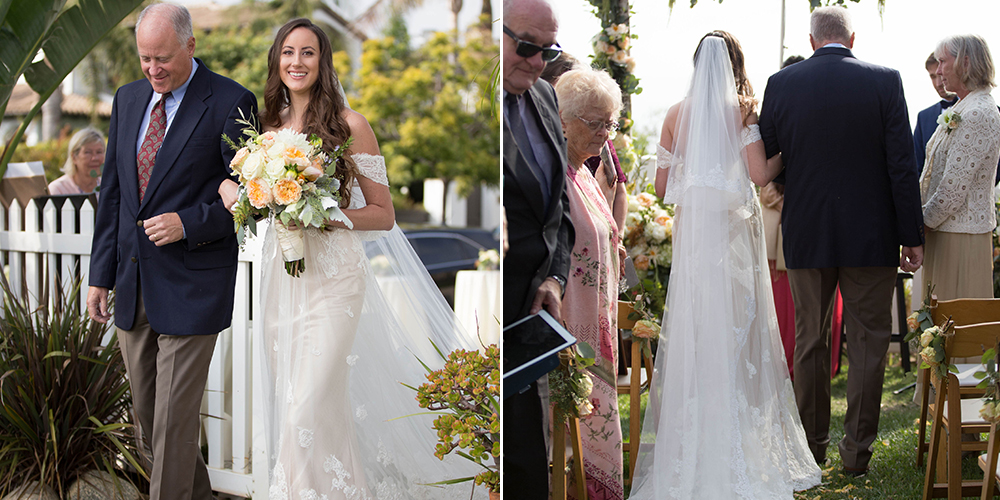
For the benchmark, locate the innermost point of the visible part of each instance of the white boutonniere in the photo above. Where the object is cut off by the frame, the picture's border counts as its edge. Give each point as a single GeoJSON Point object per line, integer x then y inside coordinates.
{"type": "Point", "coordinates": [949, 119]}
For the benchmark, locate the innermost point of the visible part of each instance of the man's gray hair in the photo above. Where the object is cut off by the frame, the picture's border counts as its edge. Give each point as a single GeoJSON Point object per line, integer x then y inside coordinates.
{"type": "Point", "coordinates": [831, 24]}
{"type": "Point", "coordinates": [178, 16]}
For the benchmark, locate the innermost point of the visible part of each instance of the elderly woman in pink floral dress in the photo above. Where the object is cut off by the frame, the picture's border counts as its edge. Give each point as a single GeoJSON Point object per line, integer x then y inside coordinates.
{"type": "Point", "coordinates": [589, 103]}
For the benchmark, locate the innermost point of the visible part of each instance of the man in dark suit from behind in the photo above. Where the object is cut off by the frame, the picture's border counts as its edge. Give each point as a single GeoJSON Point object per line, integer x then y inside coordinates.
{"type": "Point", "coordinates": [165, 242]}
{"type": "Point", "coordinates": [538, 225]}
{"type": "Point", "coordinates": [851, 200]}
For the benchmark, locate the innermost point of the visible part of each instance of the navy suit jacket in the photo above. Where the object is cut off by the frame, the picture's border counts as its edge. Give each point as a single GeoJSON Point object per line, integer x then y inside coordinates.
{"type": "Point", "coordinates": [851, 194]}
{"type": "Point", "coordinates": [187, 286]}
{"type": "Point", "coordinates": [926, 125]}
{"type": "Point", "coordinates": [540, 239]}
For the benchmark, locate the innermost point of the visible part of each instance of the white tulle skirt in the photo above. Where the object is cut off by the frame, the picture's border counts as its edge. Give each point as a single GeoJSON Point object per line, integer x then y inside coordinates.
{"type": "Point", "coordinates": [721, 421]}
{"type": "Point", "coordinates": [337, 353]}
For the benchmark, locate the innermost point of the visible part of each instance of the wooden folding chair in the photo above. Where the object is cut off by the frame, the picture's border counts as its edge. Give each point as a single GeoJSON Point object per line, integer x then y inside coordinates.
{"type": "Point", "coordinates": [988, 463]}
{"type": "Point", "coordinates": [633, 385]}
{"type": "Point", "coordinates": [954, 416]}
{"type": "Point", "coordinates": [962, 312]}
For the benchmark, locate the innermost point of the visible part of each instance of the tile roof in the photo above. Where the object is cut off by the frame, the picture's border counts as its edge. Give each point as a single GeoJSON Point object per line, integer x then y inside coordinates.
{"type": "Point", "coordinates": [22, 99]}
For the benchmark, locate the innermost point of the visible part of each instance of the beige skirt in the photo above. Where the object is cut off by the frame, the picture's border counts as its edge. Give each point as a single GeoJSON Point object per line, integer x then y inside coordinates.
{"type": "Point", "coordinates": [960, 265]}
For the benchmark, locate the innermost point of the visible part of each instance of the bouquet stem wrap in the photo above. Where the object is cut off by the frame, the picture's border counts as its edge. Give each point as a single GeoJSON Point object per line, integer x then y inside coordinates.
{"type": "Point", "coordinates": [292, 244]}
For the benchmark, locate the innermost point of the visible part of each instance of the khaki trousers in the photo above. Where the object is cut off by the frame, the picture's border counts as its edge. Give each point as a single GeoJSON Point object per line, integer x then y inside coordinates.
{"type": "Point", "coordinates": [167, 374]}
{"type": "Point", "coordinates": [867, 296]}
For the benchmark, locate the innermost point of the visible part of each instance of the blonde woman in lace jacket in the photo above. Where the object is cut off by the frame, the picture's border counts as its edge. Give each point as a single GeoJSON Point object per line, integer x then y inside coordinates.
{"type": "Point", "coordinates": [956, 185]}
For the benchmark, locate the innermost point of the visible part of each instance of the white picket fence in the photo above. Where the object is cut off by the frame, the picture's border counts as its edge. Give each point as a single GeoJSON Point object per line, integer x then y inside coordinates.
{"type": "Point", "coordinates": [52, 247]}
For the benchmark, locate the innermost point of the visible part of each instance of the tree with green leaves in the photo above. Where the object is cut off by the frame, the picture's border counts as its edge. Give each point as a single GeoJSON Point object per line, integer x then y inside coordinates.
{"type": "Point", "coordinates": [432, 117]}
{"type": "Point", "coordinates": [44, 40]}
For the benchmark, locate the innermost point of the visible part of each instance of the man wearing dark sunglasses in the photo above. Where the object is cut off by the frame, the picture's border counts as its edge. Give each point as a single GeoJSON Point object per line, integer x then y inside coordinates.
{"type": "Point", "coordinates": [540, 233]}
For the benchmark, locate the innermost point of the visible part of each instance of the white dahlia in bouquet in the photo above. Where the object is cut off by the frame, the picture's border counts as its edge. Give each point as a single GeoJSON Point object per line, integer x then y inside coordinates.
{"type": "Point", "coordinates": [286, 175]}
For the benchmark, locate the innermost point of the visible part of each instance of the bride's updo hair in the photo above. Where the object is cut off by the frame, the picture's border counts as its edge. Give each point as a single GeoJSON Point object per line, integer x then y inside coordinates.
{"type": "Point", "coordinates": [744, 91]}
{"type": "Point", "coordinates": [324, 114]}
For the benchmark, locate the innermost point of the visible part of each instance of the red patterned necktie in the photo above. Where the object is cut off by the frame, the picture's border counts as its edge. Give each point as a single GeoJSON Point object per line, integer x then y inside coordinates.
{"type": "Point", "coordinates": [151, 143]}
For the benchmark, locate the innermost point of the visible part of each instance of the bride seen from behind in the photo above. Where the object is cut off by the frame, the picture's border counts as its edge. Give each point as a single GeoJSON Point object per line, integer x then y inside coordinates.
{"type": "Point", "coordinates": [335, 349]}
{"type": "Point", "coordinates": [721, 418]}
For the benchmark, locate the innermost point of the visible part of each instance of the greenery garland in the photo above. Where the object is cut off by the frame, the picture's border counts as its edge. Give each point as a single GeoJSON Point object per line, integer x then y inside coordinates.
{"type": "Point", "coordinates": [611, 54]}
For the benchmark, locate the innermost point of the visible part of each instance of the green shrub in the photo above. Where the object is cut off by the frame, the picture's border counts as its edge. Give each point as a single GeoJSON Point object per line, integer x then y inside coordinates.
{"type": "Point", "coordinates": [65, 403]}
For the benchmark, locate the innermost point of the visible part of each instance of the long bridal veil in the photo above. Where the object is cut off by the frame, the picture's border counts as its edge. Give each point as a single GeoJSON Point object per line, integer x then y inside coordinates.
{"type": "Point", "coordinates": [721, 420]}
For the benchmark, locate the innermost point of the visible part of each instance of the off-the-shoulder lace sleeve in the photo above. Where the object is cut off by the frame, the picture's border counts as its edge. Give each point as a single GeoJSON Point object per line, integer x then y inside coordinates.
{"type": "Point", "coordinates": [372, 167]}
{"type": "Point", "coordinates": [750, 135]}
{"type": "Point", "coordinates": [663, 157]}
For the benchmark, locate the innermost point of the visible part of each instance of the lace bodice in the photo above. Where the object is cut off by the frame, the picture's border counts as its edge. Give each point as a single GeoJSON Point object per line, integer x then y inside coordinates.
{"type": "Point", "coordinates": [956, 186]}
{"type": "Point", "coordinates": [749, 135]}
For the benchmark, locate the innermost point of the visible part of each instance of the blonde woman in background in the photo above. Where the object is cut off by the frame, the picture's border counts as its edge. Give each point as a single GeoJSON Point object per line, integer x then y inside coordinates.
{"type": "Point", "coordinates": [82, 170]}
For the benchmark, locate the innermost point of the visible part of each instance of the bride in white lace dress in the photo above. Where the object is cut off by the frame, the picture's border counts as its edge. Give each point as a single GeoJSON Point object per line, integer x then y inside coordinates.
{"type": "Point", "coordinates": [336, 350]}
{"type": "Point", "coordinates": [721, 417]}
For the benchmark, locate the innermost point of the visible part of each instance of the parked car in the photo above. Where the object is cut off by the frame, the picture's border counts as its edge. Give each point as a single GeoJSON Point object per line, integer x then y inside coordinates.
{"type": "Point", "coordinates": [446, 250]}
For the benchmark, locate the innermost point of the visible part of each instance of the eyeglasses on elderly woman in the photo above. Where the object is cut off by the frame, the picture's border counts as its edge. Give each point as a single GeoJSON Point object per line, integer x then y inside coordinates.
{"type": "Point", "coordinates": [595, 125]}
{"type": "Point", "coordinates": [528, 49]}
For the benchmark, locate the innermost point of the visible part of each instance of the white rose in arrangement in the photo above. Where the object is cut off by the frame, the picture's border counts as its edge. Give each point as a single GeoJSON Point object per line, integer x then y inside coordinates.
{"type": "Point", "coordinates": [655, 232]}
{"type": "Point", "coordinates": [600, 46]}
{"type": "Point", "coordinates": [587, 385]}
{"type": "Point", "coordinates": [253, 166]}
{"type": "Point", "coordinates": [926, 338]}
{"type": "Point", "coordinates": [637, 250]}
{"type": "Point", "coordinates": [633, 204]}
{"type": "Point", "coordinates": [632, 218]}
{"type": "Point", "coordinates": [275, 169]}
{"type": "Point", "coordinates": [990, 411]}
{"type": "Point", "coordinates": [620, 57]}
{"type": "Point", "coordinates": [928, 355]}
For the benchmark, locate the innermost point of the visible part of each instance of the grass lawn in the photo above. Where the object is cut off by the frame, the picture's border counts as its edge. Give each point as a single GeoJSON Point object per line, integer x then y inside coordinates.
{"type": "Point", "coordinates": [893, 473]}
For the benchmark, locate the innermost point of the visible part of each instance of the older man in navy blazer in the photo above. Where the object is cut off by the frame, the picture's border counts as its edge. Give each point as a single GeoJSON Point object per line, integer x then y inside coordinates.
{"type": "Point", "coordinates": [851, 200]}
{"type": "Point", "coordinates": [165, 242]}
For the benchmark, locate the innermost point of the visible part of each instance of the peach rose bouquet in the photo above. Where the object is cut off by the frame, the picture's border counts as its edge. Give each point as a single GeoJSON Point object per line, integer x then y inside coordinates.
{"type": "Point", "coordinates": [288, 176]}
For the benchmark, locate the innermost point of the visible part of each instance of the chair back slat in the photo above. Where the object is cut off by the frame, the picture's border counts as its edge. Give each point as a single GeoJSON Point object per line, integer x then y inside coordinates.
{"type": "Point", "coordinates": [972, 340]}
{"type": "Point", "coordinates": [965, 311]}
{"type": "Point", "coordinates": [624, 309]}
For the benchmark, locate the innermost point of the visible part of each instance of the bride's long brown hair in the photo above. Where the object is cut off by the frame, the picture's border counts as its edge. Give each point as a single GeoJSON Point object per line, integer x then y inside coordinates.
{"type": "Point", "coordinates": [323, 114]}
{"type": "Point", "coordinates": [744, 91]}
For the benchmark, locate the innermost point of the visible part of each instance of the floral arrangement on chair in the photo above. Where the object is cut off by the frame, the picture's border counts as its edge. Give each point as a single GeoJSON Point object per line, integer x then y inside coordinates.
{"type": "Point", "coordinates": [929, 339]}
{"type": "Point", "coordinates": [570, 385]}
{"type": "Point", "coordinates": [991, 382]}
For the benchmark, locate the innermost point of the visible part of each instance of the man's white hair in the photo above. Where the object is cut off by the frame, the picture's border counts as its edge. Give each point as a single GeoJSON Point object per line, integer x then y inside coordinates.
{"type": "Point", "coordinates": [831, 24]}
{"type": "Point", "coordinates": [178, 16]}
